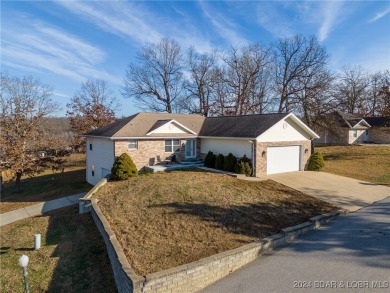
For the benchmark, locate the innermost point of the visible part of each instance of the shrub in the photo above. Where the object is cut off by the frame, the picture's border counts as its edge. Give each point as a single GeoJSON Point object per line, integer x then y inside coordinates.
{"type": "Point", "coordinates": [316, 162]}
{"type": "Point", "coordinates": [219, 162]}
{"type": "Point", "coordinates": [243, 166]}
{"type": "Point", "coordinates": [123, 168]}
{"type": "Point", "coordinates": [245, 159]}
{"type": "Point", "coordinates": [229, 163]}
{"type": "Point", "coordinates": [209, 160]}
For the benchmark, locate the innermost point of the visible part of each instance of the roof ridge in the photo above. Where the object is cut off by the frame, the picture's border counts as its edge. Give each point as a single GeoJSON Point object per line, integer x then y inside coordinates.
{"type": "Point", "coordinates": [262, 114]}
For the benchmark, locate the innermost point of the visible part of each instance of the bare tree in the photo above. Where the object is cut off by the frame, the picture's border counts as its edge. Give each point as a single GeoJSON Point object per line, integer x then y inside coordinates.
{"type": "Point", "coordinates": [377, 99]}
{"type": "Point", "coordinates": [221, 102]}
{"type": "Point", "coordinates": [200, 85]}
{"type": "Point", "coordinates": [314, 100]}
{"type": "Point", "coordinates": [25, 103]}
{"type": "Point", "coordinates": [247, 79]}
{"type": "Point", "coordinates": [351, 89]}
{"type": "Point", "coordinates": [373, 94]}
{"type": "Point", "coordinates": [295, 59]}
{"type": "Point", "coordinates": [91, 107]}
{"type": "Point", "coordinates": [156, 80]}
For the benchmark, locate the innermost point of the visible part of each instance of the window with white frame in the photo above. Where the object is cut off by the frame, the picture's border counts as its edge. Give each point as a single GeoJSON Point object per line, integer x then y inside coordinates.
{"type": "Point", "coordinates": [132, 144]}
{"type": "Point", "coordinates": [172, 145]}
{"type": "Point", "coordinates": [355, 133]}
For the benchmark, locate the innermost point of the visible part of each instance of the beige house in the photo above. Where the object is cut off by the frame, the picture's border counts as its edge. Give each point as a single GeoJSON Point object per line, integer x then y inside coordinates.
{"type": "Point", "coordinates": [343, 129]}
{"type": "Point", "coordinates": [379, 131]}
{"type": "Point", "coordinates": [275, 143]}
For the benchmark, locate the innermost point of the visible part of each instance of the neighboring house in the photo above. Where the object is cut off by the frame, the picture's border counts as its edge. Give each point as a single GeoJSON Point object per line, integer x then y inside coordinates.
{"type": "Point", "coordinates": [276, 143]}
{"type": "Point", "coordinates": [380, 129]}
{"type": "Point", "coordinates": [343, 128]}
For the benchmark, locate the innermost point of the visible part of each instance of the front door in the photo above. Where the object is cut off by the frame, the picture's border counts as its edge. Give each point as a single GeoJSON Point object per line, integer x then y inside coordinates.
{"type": "Point", "coordinates": [190, 149]}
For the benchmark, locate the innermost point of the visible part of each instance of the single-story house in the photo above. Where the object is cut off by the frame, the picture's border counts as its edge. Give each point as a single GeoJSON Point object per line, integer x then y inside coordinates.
{"type": "Point", "coordinates": [275, 143]}
{"type": "Point", "coordinates": [380, 129]}
{"type": "Point", "coordinates": [344, 129]}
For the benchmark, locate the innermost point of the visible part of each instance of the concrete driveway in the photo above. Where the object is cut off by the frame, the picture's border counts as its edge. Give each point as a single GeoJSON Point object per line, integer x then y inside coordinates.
{"type": "Point", "coordinates": [351, 254]}
{"type": "Point", "coordinates": [347, 193]}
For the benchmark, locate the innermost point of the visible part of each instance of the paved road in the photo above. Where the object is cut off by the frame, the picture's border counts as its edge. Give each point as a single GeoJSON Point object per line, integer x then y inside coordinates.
{"type": "Point", "coordinates": [347, 193]}
{"type": "Point", "coordinates": [39, 209]}
{"type": "Point", "coordinates": [353, 251]}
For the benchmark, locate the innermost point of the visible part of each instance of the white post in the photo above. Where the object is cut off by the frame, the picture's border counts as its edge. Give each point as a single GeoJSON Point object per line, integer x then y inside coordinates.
{"type": "Point", "coordinates": [37, 241]}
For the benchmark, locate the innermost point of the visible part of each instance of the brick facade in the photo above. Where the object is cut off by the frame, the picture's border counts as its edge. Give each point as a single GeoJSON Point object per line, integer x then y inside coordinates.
{"type": "Point", "coordinates": [149, 152]}
{"type": "Point", "coordinates": [260, 166]}
{"type": "Point", "coordinates": [379, 134]}
{"type": "Point", "coordinates": [152, 152]}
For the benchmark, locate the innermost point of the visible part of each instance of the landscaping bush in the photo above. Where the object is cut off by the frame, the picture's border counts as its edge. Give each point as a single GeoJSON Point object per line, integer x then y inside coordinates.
{"type": "Point", "coordinates": [243, 166]}
{"type": "Point", "coordinates": [229, 163]}
{"type": "Point", "coordinates": [219, 162]}
{"type": "Point", "coordinates": [316, 162]}
{"type": "Point", "coordinates": [123, 168]}
{"type": "Point", "coordinates": [245, 159]}
{"type": "Point", "coordinates": [209, 160]}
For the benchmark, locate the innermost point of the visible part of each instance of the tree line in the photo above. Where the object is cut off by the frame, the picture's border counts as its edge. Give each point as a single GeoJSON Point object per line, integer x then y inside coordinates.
{"type": "Point", "coordinates": [289, 75]}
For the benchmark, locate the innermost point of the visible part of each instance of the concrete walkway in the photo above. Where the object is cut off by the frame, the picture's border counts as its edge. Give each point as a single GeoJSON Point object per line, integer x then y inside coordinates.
{"type": "Point", "coordinates": [351, 254]}
{"type": "Point", "coordinates": [39, 209]}
{"type": "Point", "coordinates": [347, 193]}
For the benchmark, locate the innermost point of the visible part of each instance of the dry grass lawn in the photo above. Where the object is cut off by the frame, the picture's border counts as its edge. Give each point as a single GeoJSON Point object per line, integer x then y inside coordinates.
{"type": "Point", "coordinates": [168, 219]}
{"type": "Point", "coordinates": [72, 258]}
{"type": "Point", "coordinates": [369, 163]}
{"type": "Point", "coordinates": [47, 185]}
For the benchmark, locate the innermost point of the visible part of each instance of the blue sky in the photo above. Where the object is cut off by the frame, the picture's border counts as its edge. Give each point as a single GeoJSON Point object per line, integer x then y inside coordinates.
{"type": "Point", "coordinates": [64, 43]}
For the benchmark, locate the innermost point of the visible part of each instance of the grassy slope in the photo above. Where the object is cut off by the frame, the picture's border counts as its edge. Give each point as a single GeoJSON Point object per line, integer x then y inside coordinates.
{"type": "Point", "coordinates": [72, 258]}
{"type": "Point", "coordinates": [369, 163]}
{"type": "Point", "coordinates": [47, 186]}
{"type": "Point", "coordinates": [168, 219]}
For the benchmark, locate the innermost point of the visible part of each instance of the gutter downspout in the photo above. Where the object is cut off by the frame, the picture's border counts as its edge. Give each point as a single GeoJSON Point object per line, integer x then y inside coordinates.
{"type": "Point", "coordinates": [253, 156]}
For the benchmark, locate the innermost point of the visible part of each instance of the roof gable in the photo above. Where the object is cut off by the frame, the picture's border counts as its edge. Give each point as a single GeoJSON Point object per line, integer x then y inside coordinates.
{"type": "Point", "coordinates": [290, 128]}
{"type": "Point", "coordinates": [140, 124]}
{"type": "Point", "coordinates": [169, 127]}
{"type": "Point", "coordinates": [349, 120]}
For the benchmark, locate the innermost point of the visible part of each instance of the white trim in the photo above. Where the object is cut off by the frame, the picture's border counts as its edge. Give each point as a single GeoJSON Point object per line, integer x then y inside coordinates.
{"type": "Point", "coordinates": [170, 122]}
{"type": "Point", "coordinates": [357, 124]}
{"type": "Point", "coordinates": [140, 137]}
{"type": "Point", "coordinates": [301, 124]}
{"type": "Point", "coordinates": [224, 137]}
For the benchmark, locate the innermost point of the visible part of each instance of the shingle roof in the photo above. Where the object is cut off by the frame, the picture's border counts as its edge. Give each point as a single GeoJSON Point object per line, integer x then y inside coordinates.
{"type": "Point", "coordinates": [378, 121]}
{"type": "Point", "coordinates": [138, 125]}
{"type": "Point", "coordinates": [249, 126]}
{"type": "Point", "coordinates": [345, 119]}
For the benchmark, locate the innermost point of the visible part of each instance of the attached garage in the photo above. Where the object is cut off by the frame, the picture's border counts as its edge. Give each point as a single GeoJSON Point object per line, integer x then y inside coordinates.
{"type": "Point", "coordinates": [283, 159]}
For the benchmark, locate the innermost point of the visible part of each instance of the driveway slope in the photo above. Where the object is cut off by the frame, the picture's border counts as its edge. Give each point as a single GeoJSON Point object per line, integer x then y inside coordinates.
{"type": "Point", "coordinates": [347, 193]}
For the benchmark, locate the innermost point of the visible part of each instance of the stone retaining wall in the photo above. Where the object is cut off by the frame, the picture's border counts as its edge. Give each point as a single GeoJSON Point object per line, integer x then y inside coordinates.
{"type": "Point", "coordinates": [125, 278]}
{"type": "Point", "coordinates": [194, 276]}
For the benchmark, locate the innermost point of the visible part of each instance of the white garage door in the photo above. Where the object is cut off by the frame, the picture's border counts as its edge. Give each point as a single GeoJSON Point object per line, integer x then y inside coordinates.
{"type": "Point", "coordinates": [283, 159]}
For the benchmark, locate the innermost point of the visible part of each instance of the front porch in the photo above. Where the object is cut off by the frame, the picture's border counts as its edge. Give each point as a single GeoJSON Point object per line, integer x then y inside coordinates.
{"type": "Point", "coordinates": [185, 164]}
